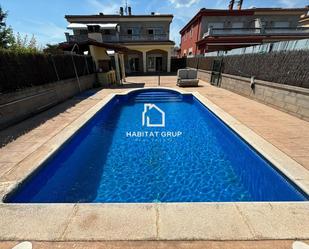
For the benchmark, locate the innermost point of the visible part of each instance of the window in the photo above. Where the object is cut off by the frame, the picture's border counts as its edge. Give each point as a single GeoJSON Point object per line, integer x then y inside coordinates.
{"type": "Point", "coordinates": [191, 32]}
{"type": "Point", "coordinates": [155, 31]}
{"type": "Point", "coordinates": [133, 31]}
{"type": "Point", "coordinates": [93, 28]}
{"type": "Point", "coordinates": [106, 32]}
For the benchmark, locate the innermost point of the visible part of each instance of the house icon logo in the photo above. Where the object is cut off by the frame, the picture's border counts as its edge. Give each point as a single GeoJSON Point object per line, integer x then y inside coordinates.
{"type": "Point", "coordinates": [153, 116]}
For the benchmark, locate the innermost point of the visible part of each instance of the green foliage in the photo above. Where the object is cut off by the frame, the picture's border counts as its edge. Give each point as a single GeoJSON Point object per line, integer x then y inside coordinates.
{"type": "Point", "coordinates": [52, 49]}
{"type": "Point", "coordinates": [6, 33]}
{"type": "Point", "coordinates": [16, 44]}
{"type": "Point", "coordinates": [23, 45]}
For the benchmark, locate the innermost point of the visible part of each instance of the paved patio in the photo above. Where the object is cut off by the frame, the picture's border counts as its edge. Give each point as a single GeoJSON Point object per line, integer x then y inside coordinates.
{"type": "Point", "coordinates": [159, 245]}
{"type": "Point", "coordinates": [286, 132]}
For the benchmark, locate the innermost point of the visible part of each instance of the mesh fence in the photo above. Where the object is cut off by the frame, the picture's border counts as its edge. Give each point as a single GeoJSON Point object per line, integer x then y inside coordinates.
{"type": "Point", "coordinates": [18, 71]}
{"type": "Point", "coordinates": [285, 67]}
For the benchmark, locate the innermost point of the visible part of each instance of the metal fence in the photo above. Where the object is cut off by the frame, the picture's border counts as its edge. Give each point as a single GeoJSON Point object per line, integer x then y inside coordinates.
{"type": "Point", "coordinates": [294, 45]}
{"type": "Point", "coordinates": [18, 71]}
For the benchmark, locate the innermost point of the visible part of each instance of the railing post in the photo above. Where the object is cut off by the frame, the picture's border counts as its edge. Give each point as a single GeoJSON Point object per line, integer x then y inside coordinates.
{"type": "Point", "coordinates": [76, 74]}
{"type": "Point", "coordinates": [58, 78]}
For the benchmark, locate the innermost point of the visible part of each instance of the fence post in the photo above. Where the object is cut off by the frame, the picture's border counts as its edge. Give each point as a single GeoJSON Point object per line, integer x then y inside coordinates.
{"type": "Point", "coordinates": [76, 74]}
{"type": "Point", "coordinates": [55, 67]}
{"type": "Point", "coordinates": [87, 65]}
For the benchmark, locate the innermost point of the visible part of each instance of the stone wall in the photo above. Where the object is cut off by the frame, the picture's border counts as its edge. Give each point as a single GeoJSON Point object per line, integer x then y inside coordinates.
{"type": "Point", "coordinates": [290, 99]}
{"type": "Point", "coordinates": [19, 105]}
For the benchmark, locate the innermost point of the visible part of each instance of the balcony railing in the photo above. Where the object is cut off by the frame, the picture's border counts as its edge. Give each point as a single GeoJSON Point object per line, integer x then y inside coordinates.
{"type": "Point", "coordinates": [121, 38]}
{"type": "Point", "coordinates": [76, 38]}
{"type": "Point", "coordinates": [256, 31]}
{"type": "Point", "coordinates": [298, 30]}
{"type": "Point", "coordinates": [155, 37]}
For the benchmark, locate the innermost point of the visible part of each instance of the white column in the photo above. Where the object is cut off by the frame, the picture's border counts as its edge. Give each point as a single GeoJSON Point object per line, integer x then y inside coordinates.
{"type": "Point", "coordinates": [122, 67]}
{"type": "Point", "coordinates": [144, 62]}
{"type": "Point", "coordinates": [169, 55]}
{"type": "Point", "coordinates": [117, 67]}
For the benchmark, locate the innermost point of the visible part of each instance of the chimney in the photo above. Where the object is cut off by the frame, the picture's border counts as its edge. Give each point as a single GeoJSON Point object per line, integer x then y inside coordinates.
{"type": "Point", "coordinates": [130, 11]}
{"type": "Point", "coordinates": [231, 5]}
{"type": "Point", "coordinates": [121, 11]}
{"type": "Point", "coordinates": [239, 5]}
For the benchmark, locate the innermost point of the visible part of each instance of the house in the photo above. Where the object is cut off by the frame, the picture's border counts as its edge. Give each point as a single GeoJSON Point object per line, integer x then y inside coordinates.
{"type": "Point", "coordinates": [145, 36]}
{"type": "Point", "coordinates": [225, 29]}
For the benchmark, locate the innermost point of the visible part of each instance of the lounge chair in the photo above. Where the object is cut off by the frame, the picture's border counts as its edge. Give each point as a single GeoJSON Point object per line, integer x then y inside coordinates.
{"type": "Point", "coordinates": [187, 77]}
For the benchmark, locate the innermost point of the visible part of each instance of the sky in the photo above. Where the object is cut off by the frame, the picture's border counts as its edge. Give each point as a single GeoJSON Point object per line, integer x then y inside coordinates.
{"type": "Point", "coordinates": [45, 19]}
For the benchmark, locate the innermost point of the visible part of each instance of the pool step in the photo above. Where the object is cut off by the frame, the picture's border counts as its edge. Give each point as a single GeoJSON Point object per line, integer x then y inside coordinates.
{"type": "Point", "coordinates": [157, 97]}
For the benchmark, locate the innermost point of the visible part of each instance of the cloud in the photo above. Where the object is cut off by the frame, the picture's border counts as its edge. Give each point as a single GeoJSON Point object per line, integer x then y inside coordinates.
{"type": "Point", "coordinates": [44, 32]}
{"type": "Point", "coordinates": [106, 7]}
{"type": "Point", "coordinates": [290, 3]}
{"type": "Point", "coordinates": [183, 3]}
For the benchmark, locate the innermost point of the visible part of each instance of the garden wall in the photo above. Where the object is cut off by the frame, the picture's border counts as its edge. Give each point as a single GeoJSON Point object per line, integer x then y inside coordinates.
{"type": "Point", "coordinates": [290, 99]}
{"type": "Point", "coordinates": [33, 82]}
{"type": "Point", "coordinates": [19, 105]}
{"type": "Point", "coordinates": [281, 78]}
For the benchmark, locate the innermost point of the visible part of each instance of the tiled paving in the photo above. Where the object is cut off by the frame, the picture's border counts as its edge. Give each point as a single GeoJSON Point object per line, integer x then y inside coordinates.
{"type": "Point", "coordinates": [286, 132]}
{"type": "Point", "coordinates": [285, 244]}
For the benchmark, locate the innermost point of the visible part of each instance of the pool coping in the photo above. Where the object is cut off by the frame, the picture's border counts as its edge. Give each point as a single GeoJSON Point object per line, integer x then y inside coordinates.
{"type": "Point", "coordinates": [158, 221]}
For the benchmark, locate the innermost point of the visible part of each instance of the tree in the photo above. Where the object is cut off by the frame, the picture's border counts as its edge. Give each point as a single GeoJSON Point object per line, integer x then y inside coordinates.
{"type": "Point", "coordinates": [6, 33]}
{"type": "Point", "coordinates": [52, 49]}
{"type": "Point", "coordinates": [32, 43]}
{"type": "Point", "coordinates": [23, 45]}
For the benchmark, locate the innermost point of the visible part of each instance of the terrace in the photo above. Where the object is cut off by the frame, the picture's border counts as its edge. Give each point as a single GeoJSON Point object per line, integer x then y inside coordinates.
{"type": "Point", "coordinates": [259, 223]}
{"type": "Point", "coordinates": [122, 38]}
{"type": "Point", "coordinates": [300, 31]}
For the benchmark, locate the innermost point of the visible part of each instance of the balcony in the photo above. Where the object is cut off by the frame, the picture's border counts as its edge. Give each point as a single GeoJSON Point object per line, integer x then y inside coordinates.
{"type": "Point", "coordinates": [256, 31]}
{"type": "Point", "coordinates": [76, 38]}
{"type": "Point", "coordinates": [121, 38]}
{"type": "Point", "coordinates": [155, 37]}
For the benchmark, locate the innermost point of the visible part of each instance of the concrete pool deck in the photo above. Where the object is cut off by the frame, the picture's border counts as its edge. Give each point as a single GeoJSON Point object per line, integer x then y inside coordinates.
{"type": "Point", "coordinates": [199, 221]}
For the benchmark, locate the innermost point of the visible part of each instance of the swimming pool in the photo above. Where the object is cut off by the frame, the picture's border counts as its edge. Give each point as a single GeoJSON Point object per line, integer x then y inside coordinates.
{"type": "Point", "coordinates": [155, 146]}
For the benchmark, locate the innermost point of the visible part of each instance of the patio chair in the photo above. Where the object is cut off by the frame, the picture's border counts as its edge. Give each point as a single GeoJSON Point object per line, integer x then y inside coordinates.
{"type": "Point", "coordinates": [187, 77]}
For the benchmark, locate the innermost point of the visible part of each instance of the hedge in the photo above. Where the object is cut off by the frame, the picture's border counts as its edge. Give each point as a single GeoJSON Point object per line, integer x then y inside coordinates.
{"type": "Point", "coordinates": [21, 70]}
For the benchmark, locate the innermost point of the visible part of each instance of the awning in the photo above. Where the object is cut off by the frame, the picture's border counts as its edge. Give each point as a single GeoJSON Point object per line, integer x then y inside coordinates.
{"type": "Point", "coordinates": [77, 26]}
{"type": "Point", "coordinates": [103, 26]}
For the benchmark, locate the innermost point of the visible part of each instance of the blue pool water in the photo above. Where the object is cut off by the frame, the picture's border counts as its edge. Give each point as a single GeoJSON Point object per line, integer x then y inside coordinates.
{"type": "Point", "coordinates": [194, 158]}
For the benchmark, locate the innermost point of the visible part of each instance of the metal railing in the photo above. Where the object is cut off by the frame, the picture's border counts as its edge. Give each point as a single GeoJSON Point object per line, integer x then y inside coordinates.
{"type": "Point", "coordinates": [77, 38]}
{"type": "Point", "coordinates": [154, 37]}
{"type": "Point", "coordinates": [256, 31]}
{"type": "Point", "coordinates": [122, 38]}
{"type": "Point", "coordinates": [293, 45]}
